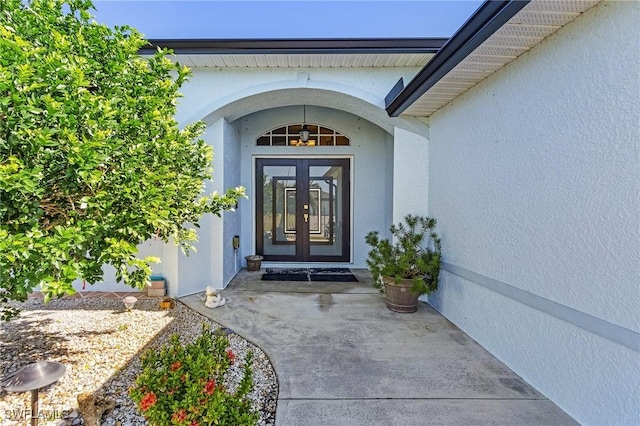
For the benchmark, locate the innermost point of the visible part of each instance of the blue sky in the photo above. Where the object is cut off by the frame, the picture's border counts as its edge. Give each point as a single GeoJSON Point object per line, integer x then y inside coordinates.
{"type": "Point", "coordinates": [286, 19]}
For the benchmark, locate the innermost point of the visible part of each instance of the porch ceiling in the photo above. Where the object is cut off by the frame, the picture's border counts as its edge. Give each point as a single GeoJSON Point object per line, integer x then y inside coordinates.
{"type": "Point", "coordinates": [497, 34]}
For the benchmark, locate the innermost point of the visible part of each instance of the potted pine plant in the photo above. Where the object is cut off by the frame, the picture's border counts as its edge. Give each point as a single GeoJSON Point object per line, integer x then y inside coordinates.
{"type": "Point", "coordinates": [407, 266]}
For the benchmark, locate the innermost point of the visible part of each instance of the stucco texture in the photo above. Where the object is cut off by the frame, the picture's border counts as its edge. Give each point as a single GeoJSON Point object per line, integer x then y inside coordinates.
{"type": "Point", "coordinates": [534, 179]}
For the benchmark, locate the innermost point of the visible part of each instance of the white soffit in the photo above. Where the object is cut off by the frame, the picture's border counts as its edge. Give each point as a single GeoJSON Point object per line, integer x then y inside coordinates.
{"type": "Point", "coordinates": [535, 22]}
{"type": "Point", "coordinates": [331, 60]}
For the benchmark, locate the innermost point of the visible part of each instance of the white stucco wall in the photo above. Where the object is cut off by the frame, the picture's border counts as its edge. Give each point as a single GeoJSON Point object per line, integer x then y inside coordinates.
{"type": "Point", "coordinates": [154, 248]}
{"type": "Point", "coordinates": [234, 93]}
{"type": "Point", "coordinates": [198, 269]}
{"type": "Point", "coordinates": [534, 180]}
{"type": "Point", "coordinates": [213, 262]}
{"type": "Point", "coordinates": [231, 219]}
{"type": "Point", "coordinates": [410, 174]}
{"type": "Point", "coordinates": [211, 90]}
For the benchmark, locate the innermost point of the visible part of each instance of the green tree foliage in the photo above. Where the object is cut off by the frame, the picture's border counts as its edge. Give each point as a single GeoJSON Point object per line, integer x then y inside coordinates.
{"type": "Point", "coordinates": [92, 161]}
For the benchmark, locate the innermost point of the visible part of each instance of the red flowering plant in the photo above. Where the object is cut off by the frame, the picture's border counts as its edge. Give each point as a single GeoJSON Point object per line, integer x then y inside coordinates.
{"type": "Point", "coordinates": [184, 384]}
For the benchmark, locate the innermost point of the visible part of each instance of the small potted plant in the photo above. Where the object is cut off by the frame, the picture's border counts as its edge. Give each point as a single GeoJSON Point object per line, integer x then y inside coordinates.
{"type": "Point", "coordinates": [254, 262]}
{"type": "Point", "coordinates": [408, 266]}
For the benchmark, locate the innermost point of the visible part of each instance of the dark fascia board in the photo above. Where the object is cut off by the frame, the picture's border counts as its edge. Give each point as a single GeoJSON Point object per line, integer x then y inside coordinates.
{"type": "Point", "coordinates": [295, 46]}
{"type": "Point", "coordinates": [489, 17]}
{"type": "Point", "coordinates": [395, 91]}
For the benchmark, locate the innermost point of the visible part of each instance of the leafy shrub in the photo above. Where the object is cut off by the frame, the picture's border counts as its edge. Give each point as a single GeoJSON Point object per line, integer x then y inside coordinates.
{"type": "Point", "coordinates": [92, 159]}
{"type": "Point", "coordinates": [414, 253]}
{"type": "Point", "coordinates": [185, 384]}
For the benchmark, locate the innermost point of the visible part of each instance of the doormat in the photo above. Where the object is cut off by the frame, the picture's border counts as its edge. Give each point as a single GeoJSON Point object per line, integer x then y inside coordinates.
{"type": "Point", "coordinates": [312, 274]}
{"type": "Point", "coordinates": [342, 278]}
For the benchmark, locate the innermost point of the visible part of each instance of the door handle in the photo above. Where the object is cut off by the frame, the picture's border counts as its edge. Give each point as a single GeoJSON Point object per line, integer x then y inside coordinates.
{"type": "Point", "coordinates": [306, 217]}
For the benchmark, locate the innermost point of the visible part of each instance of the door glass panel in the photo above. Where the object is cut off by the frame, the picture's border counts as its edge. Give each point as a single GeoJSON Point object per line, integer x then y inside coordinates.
{"type": "Point", "coordinates": [279, 210]}
{"type": "Point", "coordinates": [325, 210]}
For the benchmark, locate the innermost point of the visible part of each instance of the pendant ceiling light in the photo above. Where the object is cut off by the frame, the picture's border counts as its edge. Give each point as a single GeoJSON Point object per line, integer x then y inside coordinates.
{"type": "Point", "coordinates": [304, 133]}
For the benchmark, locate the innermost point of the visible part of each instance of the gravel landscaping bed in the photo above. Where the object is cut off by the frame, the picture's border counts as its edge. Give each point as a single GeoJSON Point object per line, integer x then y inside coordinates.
{"type": "Point", "coordinates": [100, 344]}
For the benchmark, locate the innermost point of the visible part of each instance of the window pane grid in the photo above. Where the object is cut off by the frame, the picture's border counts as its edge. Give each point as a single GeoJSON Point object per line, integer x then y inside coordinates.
{"type": "Point", "coordinates": [290, 134]}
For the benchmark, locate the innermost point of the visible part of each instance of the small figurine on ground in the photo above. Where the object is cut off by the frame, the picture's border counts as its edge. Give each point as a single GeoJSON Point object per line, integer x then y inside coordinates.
{"type": "Point", "coordinates": [214, 299]}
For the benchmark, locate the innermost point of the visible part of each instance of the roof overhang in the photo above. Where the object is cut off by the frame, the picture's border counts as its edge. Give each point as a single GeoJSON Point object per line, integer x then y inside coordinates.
{"type": "Point", "coordinates": [301, 53]}
{"type": "Point", "coordinates": [495, 35]}
{"type": "Point", "coordinates": [296, 46]}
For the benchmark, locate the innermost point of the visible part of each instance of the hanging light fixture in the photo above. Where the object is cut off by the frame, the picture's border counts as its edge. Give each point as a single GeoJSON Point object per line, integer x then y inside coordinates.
{"type": "Point", "coordinates": [304, 133]}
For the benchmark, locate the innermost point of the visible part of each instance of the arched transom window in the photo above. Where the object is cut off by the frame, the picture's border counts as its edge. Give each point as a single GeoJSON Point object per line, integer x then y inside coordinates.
{"type": "Point", "coordinates": [290, 136]}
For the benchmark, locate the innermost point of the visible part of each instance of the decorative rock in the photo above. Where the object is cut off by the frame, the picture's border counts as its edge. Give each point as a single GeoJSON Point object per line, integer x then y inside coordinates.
{"type": "Point", "coordinates": [92, 406]}
{"type": "Point", "coordinates": [102, 353]}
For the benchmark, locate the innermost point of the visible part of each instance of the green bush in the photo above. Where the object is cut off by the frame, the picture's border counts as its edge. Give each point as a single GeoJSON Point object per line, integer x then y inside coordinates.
{"type": "Point", "coordinates": [184, 384]}
{"type": "Point", "coordinates": [92, 159]}
{"type": "Point", "coordinates": [414, 254]}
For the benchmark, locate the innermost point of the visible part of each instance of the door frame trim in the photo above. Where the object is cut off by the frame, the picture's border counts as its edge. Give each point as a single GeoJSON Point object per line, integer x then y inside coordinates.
{"type": "Point", "coordinates": [315, 156]}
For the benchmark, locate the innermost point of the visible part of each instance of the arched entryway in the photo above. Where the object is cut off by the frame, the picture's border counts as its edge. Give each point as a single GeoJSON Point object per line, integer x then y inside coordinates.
{"type": "Point", "coordinates": [376, 143]}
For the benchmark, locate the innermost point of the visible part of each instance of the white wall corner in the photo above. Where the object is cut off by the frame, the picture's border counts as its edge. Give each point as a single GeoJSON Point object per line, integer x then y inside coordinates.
{"type": "Point", "coordinates": [170, 267]}
{"type": "Point", "coordinates": [203, 267]}
{"type": "Point", "coordinates": [231, 177]}
{"type": "Point", "coordinates": [418, 125]}
{"type": "Point", "coordinates": [216, 233]}
{"type": "Point", "coordinates": [410, 174]}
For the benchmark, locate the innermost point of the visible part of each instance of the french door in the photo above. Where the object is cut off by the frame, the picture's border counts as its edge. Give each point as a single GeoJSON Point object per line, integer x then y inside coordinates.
{"type": "Point", "coordinates": [303, 212]}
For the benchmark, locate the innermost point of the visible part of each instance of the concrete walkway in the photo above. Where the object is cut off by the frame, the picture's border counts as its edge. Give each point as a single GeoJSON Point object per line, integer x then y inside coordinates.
{"type": "Point", "coordinates": [342, 358]}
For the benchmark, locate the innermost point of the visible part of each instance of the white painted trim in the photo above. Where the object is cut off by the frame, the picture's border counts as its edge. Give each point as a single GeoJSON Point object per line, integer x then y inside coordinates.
{"type": "Point", "coordinates": [613, 332]}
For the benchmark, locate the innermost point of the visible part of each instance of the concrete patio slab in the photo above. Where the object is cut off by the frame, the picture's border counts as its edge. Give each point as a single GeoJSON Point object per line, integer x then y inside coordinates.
{"type": "Point", "coordinates": [419, 412]}
{"type": "Point", "coordinates": [342, 358]}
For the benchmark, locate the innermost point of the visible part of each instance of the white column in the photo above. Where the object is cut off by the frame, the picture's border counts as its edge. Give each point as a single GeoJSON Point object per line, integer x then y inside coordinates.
{"type": "Point", "coordinates": [170, 268]}
{"type": "Point", "coordinates": [228, 175]}
{"type": "Point", "coordinates": [410, 174]}
{"type": "Point", "coordinates": [204, 266]}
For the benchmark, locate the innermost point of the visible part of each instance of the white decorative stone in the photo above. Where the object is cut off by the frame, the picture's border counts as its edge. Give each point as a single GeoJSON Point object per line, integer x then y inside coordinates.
{"type": "Point", "coordinates": [96, 340]}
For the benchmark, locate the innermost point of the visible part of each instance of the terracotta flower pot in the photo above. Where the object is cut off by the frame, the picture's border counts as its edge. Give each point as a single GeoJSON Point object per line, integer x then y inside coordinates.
{"type": "Point", "coordinates": [167, 303]}
{"type": "Point", "coordinates": [254, 262]}
{"type": "Point", "coordinates": [399, 297]}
